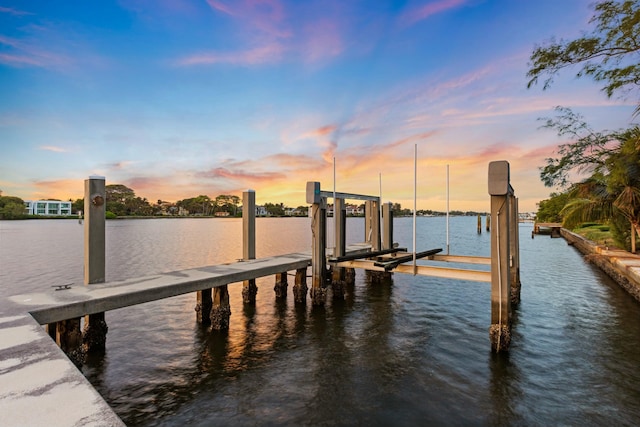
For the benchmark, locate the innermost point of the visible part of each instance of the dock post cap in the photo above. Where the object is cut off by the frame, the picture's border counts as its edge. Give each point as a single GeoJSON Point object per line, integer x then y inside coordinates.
{"type": "Point", "coordinates": [313, 192]}
{"type": "Point", "coordinates": [499, 178]}
{"type": "Point", "coordinates": [249, 190]}
{"type": "Point", "coordinates": [97, 177]}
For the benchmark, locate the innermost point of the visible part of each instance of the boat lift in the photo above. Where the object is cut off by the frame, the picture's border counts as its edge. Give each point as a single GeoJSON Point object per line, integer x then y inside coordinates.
{"type": "Point", "coordinates": [380, 254]}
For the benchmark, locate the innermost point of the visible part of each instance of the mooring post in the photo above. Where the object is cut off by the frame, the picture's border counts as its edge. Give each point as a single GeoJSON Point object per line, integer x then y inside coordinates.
{"type": "Point", "coordinates": [318, 242]}
{"type": "Point", "coordinates": [338, 282]}
{"type": "Point", "coordinates": [221, 308]}
{"type": "Point", "coordinates": [249, 288]}
{"type": "Point", "coordinates": [514, 243]}
{"type": "Point", "coordinates": [501, 212]}
{"type": "Point", "coordinates": [488, 222]}
{"type": "Point", "coordinates": [479, 224]}
{"type": "Point", "coordinates": [94, 335]}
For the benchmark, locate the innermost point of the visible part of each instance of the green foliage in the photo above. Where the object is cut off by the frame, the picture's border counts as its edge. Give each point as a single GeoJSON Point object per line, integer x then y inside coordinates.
{"type": "Point", "coordinates": [608, 54]}
{"type": "Point", "coordinates": [122, 201]}
{"type": "Point", "coordinates": [11, 207]}
{"type": "Point", "coordinates": [274, 209]}
{"type": "Point", "coordinates": [549, 209]}
{"type": "Point", "coordinates": [110, 215]}
{"type": "Point", "coordinates": [621, 232]}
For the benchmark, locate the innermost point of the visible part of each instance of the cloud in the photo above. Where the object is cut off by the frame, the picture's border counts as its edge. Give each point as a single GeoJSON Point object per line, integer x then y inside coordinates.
{"type": "Point", "coordinates": [260, 55]}
{"type": "Point", "coordinates": [28, 54]}
{"type": "Point", "coordinates": [422, 12]}
{"type": "Point", "coordinates": [14, 12]}
{"type": "Point", "coordinates": [52, 148]}
{"type": "Point", "coordinates": [240, 175]}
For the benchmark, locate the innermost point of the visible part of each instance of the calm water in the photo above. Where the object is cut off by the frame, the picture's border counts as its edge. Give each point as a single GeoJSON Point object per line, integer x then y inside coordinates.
{"type": "Point", "coordinates": [414, 353]}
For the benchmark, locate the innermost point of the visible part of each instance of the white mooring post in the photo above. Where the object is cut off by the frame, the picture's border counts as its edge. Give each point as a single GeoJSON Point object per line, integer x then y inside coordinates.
{"type": "Point", "coordinates": [94, 335]}
{"type": "Point", "coordinates": [501, 233]}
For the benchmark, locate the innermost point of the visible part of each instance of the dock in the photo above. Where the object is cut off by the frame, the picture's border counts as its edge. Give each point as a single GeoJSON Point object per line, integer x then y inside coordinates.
{"type": "Point", "coordinates": [41, 340]}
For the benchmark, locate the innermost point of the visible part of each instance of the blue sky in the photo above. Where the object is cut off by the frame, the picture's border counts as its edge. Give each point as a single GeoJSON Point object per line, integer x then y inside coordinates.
{"type": "Point", "coordinates": [180, 98]}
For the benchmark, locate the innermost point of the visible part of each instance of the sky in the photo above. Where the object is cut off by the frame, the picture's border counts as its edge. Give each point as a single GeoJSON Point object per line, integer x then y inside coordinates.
{"type": "Point", "coordinates": [180, 98]}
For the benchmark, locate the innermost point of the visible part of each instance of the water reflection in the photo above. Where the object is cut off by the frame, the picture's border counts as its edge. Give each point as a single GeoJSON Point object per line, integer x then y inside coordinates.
{"type": "Point", "coordinates": [415, 352]}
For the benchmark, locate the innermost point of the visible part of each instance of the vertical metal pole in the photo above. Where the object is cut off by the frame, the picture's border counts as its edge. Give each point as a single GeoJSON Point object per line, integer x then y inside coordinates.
{"type": "Point", "coordinates": [415, 202]}
{"type": "Point", "coordinates": [249, 288]}
{"type": "Point", "coordinates": [94, 334]}
{"type": "Point", "coordinates": [447, 209]}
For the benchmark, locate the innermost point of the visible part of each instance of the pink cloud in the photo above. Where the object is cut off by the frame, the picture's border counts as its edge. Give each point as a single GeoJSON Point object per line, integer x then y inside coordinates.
{"type": "Point", "coordinates": [260, 55]}
{"type": "Point", "coordinates": [52, 148]}
{"type": "Point", "coordinates": [322, 39]}
{"type": "Point", "coordinates": [423, 12]}
{"type": "Point", "coordinates": [28, 54]}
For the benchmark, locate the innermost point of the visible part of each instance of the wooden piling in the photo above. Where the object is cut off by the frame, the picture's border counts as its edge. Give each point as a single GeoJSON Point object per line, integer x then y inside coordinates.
{"type": "Point", "coordinates": [94, 334]}
{"type": "Point", "coordinates": [69, 338]}
{"type": "Point", "coordinates": [204, 303]}
{"type": "Point", "coordinates": [501, 212]}
{"type": "Point", "coordinates": [488, 222]}
{"type": "Point", "coordinates": [221, 309]}
{"type": "Point", "coordinates": [479, 224]}
{"type": "Point", "coordinates": [300, 286]}
{"type": "Point", "coordinates": [338, 283]}
{"type": "Point", "coordinates": [280, 287]}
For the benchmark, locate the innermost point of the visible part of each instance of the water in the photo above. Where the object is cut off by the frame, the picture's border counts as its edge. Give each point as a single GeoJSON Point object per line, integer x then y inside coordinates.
{"type": "Point", "coordinates": [414, 353]}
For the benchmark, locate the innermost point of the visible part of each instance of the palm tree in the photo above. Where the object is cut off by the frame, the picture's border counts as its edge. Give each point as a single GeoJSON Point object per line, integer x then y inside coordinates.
{"type": "Point", "coordinates": [613, 190]}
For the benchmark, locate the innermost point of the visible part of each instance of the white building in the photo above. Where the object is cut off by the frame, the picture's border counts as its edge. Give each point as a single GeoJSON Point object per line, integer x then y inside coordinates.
{"type": "Point", "coordinates": [47, 207]}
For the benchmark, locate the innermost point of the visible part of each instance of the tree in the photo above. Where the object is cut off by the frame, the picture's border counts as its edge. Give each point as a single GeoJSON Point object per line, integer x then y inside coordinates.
{"type": "Point", "coordinates": [122, 201]}
{"type": "Point", "coordinates": [549, 209]}
{"type": "Point", "coordinates": [11, 207]}
{"type": "Point", "coordinates": [274, 209]}
{"type": "Point", "coordinates": [586, 153]}
{"type": "Point", "coordinates": [608, 54]}
{"type": "Point", "coordinates": [613, 190]}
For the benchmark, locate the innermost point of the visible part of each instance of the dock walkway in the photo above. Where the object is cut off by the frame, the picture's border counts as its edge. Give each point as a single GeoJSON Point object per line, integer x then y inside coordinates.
{"type": "Point", "coordinates": [40, 386]}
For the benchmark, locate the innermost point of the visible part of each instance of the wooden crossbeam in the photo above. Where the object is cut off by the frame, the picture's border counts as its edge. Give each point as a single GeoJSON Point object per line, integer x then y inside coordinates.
{"type": "Point", "coordinates": [370, 254]}
{"type": "Point", "coordinates": [423, 270]}
{"type": "Point", "coordinates": [390, 265]}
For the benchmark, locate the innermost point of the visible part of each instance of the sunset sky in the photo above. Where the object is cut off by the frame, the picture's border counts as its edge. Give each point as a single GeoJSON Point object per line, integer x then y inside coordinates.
{"type": "Point", "coordinates": [180, 98]}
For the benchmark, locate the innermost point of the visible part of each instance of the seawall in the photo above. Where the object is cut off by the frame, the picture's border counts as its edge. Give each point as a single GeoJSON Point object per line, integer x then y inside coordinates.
{"type": "Point", "coordinates": [620, 265]}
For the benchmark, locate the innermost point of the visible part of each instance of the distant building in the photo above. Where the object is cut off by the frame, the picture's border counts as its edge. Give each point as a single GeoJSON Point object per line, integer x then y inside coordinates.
{"type": "Point", "coordinates": [47, 207]}
{"type": "Point", "coordinates": [261, 211]}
